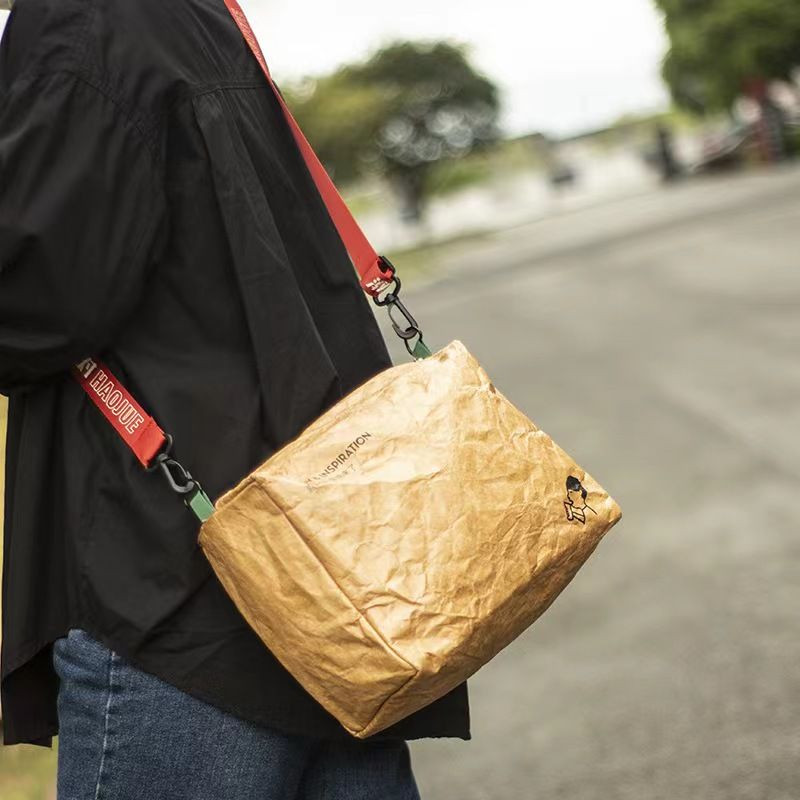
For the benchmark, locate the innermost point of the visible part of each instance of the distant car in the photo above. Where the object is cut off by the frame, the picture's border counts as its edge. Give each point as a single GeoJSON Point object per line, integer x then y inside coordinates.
{"type": "Point", "coordinates": [562, 175]}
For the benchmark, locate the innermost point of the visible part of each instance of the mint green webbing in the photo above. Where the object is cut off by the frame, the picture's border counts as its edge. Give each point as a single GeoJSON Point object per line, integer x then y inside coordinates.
{"type": "Point", "coordinates": [421, 350]}
{"type": "Point", "coordinates": [201, 505]}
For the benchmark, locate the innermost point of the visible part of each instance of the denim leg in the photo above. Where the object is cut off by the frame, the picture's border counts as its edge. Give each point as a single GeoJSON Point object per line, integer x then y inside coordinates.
{"type": "Point", "coordinates": [379, 770]}
{"type": "Point", "coordinates": [126, 735]}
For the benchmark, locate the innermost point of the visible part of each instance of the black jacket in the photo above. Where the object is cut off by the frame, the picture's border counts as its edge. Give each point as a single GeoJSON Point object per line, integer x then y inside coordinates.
{"type": "Point", "coordinates": [155, 211]}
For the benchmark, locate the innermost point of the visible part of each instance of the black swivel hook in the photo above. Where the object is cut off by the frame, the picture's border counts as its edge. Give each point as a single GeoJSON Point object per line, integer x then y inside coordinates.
{"type": "Point", "coordinates": [409, 329]}
{"type": "Point", "coordinates": [178, 477]}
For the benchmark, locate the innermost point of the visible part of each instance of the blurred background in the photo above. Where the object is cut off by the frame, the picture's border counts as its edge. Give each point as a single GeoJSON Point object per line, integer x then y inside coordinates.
{"type": "Point", "coordinates": [602, 200]}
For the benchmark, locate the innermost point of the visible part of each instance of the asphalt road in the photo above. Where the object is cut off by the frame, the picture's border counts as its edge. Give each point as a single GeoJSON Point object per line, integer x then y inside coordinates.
{"type": "Point", "coordinates": [657, 340]}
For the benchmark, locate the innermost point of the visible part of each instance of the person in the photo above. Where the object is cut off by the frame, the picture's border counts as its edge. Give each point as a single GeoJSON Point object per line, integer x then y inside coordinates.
{"type": "Point", "coordinates": [155, 212]}
{"type": "Point", "coordinates": [665, 153]}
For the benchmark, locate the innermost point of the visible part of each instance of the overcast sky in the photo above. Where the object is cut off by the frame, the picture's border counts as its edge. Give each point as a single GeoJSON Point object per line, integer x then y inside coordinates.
{"type": "Point", "coordinates": [563, 65]}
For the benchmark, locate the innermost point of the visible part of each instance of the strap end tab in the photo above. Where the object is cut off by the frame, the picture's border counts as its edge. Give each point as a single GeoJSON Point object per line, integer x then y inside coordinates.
{"type": "Point", "coordinates": [378, 277]}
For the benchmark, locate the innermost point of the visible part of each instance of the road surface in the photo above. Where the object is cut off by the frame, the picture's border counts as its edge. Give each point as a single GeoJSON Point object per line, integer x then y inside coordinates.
{"type": "Point", "coordinates": [657, 339]}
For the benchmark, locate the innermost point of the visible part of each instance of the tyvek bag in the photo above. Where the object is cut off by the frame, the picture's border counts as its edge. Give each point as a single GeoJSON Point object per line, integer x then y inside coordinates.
{"type": "Point", "coordinates": [404, 538]}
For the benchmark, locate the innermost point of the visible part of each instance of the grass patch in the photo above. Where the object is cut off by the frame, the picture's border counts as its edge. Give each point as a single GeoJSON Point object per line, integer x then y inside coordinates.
{"type": "Point", "coordinates": [27, 772]}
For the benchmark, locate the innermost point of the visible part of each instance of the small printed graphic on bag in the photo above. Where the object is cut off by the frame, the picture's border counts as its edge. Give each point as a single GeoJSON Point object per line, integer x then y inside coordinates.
{"type": "Point", "coordinates": [575, 505]}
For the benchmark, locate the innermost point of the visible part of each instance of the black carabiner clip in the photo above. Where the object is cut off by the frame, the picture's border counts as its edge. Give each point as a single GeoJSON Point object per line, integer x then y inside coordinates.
{"type": "Point", "coordinates": [171, 468]}
{"type": "Point", "coordinates": [178, 477]}
{"type": "Point", "coordinates": [391, 300]}
{"type": "Point", "coordinates": [412, 328]}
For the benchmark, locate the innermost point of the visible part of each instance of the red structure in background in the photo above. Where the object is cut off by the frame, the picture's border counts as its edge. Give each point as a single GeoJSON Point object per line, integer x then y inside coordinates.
{"type": "Point", "coordinates": [770, 132]}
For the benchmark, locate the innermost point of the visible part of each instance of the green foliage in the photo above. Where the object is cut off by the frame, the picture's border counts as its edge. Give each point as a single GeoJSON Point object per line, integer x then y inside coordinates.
{"type": "Point", "coordinates": [718, 47]}
{"type": "Point", "coordinates": [407, 107]}
{"type": "Point", "coordinates": [340, 120]}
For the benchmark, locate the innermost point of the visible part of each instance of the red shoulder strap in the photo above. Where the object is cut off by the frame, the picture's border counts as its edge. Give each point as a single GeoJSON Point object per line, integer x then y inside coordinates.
{"type": "Point", "coordinates": [134, 425]}
{"type": "Point", "coordinates": [374, 279]}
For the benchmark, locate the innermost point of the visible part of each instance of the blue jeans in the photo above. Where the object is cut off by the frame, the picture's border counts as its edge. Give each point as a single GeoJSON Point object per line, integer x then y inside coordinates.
{"type": "Point", "coordinates": [126, 735]}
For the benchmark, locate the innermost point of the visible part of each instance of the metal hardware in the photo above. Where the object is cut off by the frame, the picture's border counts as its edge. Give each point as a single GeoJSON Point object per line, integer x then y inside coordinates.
{"type": "Point", "coordinates": [178, 477]}
{"type": "Point", "coordinates": [404, 333]}
{"type": "Point", "coordinates": [391, 300]}
{"type": "Point", "coordinates": [181, 482]}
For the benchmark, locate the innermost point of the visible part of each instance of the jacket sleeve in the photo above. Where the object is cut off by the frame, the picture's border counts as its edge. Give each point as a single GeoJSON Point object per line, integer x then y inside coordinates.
{"type": "Point", "coordinates": [82, 218]}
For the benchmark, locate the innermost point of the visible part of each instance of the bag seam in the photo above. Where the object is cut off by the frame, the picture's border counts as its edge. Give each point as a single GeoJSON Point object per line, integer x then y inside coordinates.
{"type": "Point", "coordinates": [297, 528]}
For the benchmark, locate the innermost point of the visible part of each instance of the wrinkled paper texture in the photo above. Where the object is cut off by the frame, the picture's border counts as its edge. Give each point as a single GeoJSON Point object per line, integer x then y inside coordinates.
{"type": "Point", "coordinates": [407, 536]}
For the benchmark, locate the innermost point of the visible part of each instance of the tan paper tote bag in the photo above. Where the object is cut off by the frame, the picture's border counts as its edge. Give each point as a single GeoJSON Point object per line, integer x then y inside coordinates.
{"type": "Point", "coordinates": [406, 536]}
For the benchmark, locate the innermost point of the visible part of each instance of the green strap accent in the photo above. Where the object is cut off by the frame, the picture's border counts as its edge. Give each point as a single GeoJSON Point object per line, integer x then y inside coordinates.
{"type": "Point", "coordinates": [421, 350]}
{"type": "Point", "coordinates": [202, 507]}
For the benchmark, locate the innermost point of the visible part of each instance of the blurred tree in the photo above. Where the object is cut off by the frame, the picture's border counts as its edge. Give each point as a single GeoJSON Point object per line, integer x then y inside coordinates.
{"type": "Point", "coordinates": [720, 48]}
{"type": "Point", "coordinates": [398, 113]}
